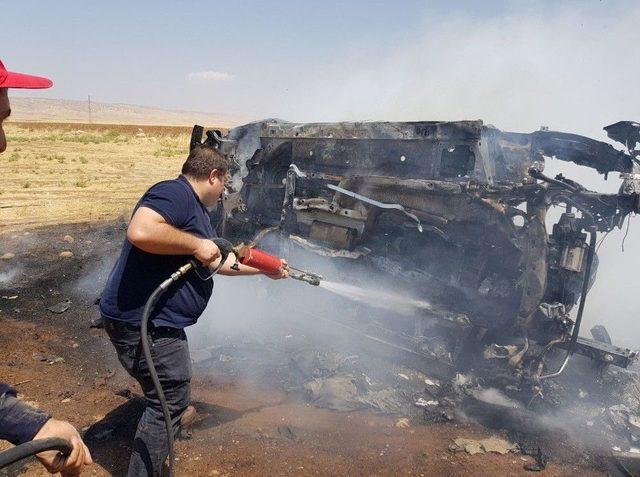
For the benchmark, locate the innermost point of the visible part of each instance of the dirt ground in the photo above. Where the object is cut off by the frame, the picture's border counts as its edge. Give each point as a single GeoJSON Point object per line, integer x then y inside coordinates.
{"type": "Point", "coordinates": [246, 427]}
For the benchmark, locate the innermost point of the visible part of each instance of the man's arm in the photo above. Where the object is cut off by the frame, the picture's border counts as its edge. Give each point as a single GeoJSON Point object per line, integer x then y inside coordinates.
{"type": "Point", "coordinates": [20, 423]}
{"type": "Point", "coordinates": [244, 270]}
{"type": "Point", "coordinates": [149, 231]}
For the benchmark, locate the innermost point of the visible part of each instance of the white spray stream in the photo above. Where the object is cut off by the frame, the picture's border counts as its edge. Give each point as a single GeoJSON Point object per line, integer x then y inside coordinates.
{"type": "Point", "coordinates": [384, 299]}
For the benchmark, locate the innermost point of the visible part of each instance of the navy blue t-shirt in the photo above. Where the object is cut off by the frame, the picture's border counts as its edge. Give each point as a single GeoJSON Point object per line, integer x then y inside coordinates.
{"type": "Point", "coordinates": [137, 273]}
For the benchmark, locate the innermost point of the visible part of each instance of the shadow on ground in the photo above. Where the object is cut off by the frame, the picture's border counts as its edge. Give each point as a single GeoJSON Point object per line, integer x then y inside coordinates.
{"type": "Point", "coordinates": [113, 434]}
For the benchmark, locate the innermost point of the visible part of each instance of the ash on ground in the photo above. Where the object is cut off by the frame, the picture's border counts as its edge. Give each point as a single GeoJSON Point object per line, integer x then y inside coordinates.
{"type": "Point", "coordinates": [584, 414]}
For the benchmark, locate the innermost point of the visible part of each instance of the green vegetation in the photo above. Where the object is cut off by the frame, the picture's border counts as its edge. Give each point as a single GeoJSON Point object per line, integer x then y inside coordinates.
{"type": "Point", "coordinates": [81, 137]}
{"type": "Point", "coordinates": [169, 151]}
{"type": "Point", "coordinates": [13, 139]}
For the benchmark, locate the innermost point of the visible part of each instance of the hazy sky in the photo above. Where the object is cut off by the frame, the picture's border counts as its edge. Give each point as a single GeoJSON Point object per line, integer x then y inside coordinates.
{"type": "Point", "coordinates": [571, 66]}
{"type": "Point", "coordinates": [518, 65]}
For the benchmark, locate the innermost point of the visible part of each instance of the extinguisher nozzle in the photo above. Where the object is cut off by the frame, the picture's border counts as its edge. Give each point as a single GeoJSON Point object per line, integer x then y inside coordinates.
{"type": "Point", "coordinates": [310, 278]}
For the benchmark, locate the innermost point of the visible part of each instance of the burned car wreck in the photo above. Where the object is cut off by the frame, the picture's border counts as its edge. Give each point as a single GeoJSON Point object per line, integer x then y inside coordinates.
{"type": "Point", "coordinates": [454, 213]}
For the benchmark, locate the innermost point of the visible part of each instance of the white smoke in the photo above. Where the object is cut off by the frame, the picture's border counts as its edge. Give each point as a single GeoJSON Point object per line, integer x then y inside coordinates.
{"type": "Point", "coordinates": [7, 278]}
{"type": "Point", "coordinates": [566, 66]}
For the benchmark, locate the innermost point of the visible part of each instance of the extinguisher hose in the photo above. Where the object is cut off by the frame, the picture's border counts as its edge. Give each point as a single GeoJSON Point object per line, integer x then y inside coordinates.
{"type": "Point", "coordinates": [225, 249]}
{"type": "Point", "coordinates": [17, 453]}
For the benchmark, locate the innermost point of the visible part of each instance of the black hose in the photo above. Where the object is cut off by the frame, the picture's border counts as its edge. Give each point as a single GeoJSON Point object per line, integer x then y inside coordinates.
{"type": "Point", "coordinates": [225, 249]}
{"type": "Point", "coordinates": [17, 453]}
{"type": "Point", "coordinates": [152, 369]}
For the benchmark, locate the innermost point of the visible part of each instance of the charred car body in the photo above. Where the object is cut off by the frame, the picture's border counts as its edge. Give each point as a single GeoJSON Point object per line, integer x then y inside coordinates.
{"type": "Point", "coordinates": [456, 213]}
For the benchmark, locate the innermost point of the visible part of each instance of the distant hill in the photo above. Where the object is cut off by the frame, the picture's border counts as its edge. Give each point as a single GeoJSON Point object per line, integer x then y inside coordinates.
{"type": "Point", "coordinates": [65, 111]}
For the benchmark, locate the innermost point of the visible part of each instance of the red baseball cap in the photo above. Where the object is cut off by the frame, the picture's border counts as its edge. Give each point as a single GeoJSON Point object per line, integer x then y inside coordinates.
{"type": "Point", "coordinates": [9, 79]}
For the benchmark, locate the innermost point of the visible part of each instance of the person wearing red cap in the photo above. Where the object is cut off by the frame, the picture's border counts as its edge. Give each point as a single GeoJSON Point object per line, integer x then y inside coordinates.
{"type": "Point", "coordinates": [20, 422]}
{"type": "Point", "coordinates": [9, 79]}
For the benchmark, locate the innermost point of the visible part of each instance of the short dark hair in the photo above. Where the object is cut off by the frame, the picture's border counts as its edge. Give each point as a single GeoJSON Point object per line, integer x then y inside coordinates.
{"type": "Point", "coordinates": [202, 160]}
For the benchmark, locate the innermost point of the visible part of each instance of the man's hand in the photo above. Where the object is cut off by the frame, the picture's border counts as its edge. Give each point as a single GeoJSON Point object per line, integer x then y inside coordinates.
{"type": "Point", "coordinates": [206, 252]}
{"type": "Point", "coordinates": [53, 461]}
{"type": "Point", "coordinates": [284, 271]}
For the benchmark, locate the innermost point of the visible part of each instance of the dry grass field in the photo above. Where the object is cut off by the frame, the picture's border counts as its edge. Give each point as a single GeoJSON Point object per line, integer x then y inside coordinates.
{"type": "Point", "coordinates": [70, 173]}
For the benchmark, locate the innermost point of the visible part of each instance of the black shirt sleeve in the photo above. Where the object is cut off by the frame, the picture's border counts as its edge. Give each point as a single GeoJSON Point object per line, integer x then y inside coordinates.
{"type": "Point", "coordinates": [171, 200]}
{"type": "Point", "coordinates": [19, 422]}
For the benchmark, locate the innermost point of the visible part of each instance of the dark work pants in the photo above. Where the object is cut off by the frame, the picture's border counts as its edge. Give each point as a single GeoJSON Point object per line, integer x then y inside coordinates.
{"type": "Point", "coordinates": [170, 353]}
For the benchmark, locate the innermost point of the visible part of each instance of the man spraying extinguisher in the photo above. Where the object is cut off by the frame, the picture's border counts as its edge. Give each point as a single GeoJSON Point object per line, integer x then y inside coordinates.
{"type": "Point", "coordinates": [170, 224]}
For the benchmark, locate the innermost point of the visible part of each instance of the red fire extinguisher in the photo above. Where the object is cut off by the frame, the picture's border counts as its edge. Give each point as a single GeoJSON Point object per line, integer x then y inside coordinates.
{"type": "Point", "coordinates": [271, 265]}
{"type": "Point", "coordinates": [252, 257]}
